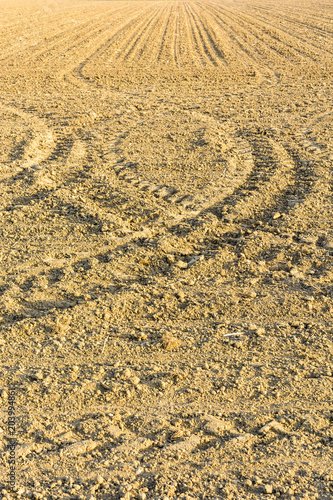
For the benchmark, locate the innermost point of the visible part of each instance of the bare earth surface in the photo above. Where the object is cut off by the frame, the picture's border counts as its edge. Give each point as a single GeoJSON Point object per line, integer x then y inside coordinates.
{"type": "Point", "coordinates": [167, 249]}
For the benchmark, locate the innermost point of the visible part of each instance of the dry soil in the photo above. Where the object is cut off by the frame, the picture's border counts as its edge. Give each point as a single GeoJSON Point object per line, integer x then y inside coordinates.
{"type": "Point", "coordinates": [166, 249]}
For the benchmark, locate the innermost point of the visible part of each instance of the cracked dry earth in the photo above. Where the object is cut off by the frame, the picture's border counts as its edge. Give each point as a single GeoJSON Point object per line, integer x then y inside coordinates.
{"type": "Point", "coordinates": [167, 249]}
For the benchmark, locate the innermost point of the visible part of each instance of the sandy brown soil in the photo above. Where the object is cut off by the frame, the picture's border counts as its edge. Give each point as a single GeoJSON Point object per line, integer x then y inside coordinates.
{"type": "Point", "coordinates": [167, 249]}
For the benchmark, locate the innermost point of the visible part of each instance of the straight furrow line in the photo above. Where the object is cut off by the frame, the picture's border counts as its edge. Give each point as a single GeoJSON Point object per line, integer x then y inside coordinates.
{"type": "Point", "coordinates": [145, 36]}
{"type": "Point", "coordinates": [199, 43]}
{"type": "Point", "coordinates": [290, 18]}
{"type": "Point", "coordinates": [203, 41]}
{"type": "Point", "coordinates": [164, 36]}
{"type": "Point", "coordinates": [209, 34]}
{"type": "Point", "coordinates": [280, 24]}
{"type": "Point", "coordinates": [113, 49]}
{"type": "Point", "coordinates": [240, 40]}
{"type": "Point", "coordinates": [62, 38]}
{"type": "Point", "coordinates": [267, 46]}
{"type": "Point", "coordinates": [276, 33]}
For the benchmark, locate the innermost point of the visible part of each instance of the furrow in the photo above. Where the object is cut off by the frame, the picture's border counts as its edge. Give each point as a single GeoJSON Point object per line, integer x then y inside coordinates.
{"type": "Point", "coordinates": [114, 47]}
{"type": "Point", "coordinates": [265, 45]}
{"type": "Point", "coordinates": [203, 44]}
{"type": "Point", "coordinates": [145, 39]}
{"type": "Point", "coordinates": [240, 40]}
{"type": "Point", "coordinates": [268, 31]}
{"type": "Point", "coordinates": [209, 35]}
{"type": "Point", "coordinates": [280, 24]}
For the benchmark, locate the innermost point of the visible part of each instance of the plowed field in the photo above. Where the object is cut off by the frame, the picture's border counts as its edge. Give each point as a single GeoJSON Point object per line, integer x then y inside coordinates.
{"type": "Point", "coordinates": [166, 249]}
